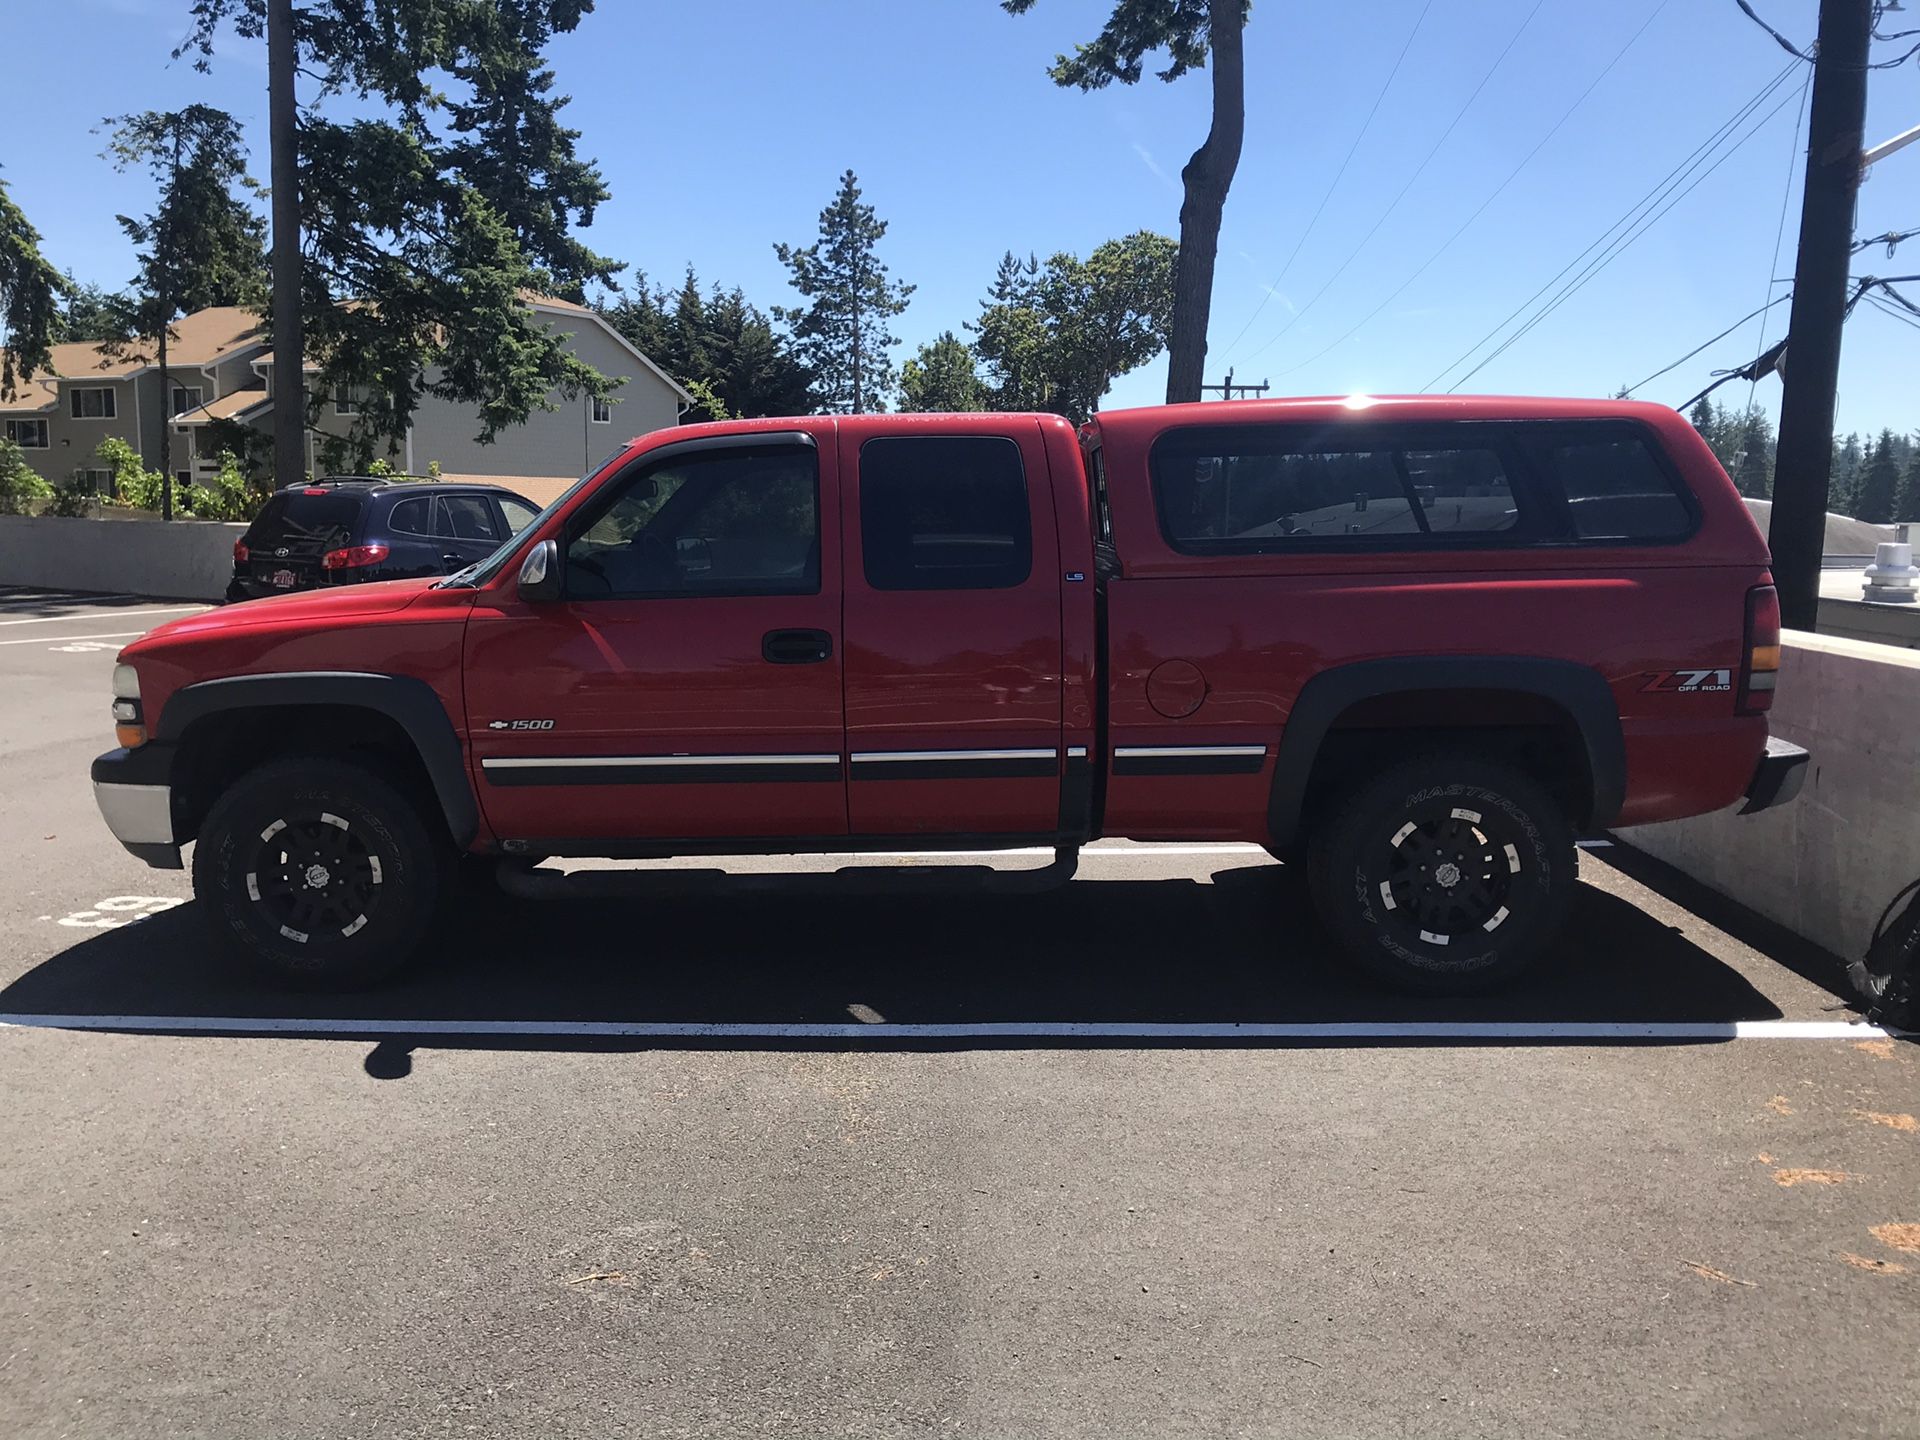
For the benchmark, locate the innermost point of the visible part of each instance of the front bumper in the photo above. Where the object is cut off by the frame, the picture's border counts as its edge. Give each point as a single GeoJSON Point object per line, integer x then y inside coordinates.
{"type": "Point", "coordinates": [1778, 777]}
{"type": "Point", "coordinates": [134, 792]}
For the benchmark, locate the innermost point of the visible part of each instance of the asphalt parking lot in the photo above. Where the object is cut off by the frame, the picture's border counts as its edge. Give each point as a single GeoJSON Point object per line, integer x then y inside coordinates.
{"type": "Point", "coordinates": [1133, 1157]}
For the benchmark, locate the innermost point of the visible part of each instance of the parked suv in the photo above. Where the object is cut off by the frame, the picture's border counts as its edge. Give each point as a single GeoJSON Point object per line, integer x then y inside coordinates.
{"type": "Point", "coordinates": [350, 529]}
{"type": "Point", "coordinates": [1419, 643]}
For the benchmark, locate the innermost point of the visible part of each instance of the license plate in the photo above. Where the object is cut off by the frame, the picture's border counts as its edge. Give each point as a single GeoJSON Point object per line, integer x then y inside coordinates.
{"type": "Point", "coordinates": [283, 578]}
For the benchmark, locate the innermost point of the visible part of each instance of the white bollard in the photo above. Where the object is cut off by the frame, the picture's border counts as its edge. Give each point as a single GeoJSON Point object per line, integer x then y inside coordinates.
{"type": "Point", "coordinates": [1890, 579]}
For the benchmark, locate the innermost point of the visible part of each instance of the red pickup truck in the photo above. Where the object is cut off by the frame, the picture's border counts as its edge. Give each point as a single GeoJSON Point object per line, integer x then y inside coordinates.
{"type": "Point", "coordinates": [1417, 643]}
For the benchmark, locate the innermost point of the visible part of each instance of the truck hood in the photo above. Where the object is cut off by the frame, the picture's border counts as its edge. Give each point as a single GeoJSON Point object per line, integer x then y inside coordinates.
{"type": "Point", "coordinates": [301, 609]}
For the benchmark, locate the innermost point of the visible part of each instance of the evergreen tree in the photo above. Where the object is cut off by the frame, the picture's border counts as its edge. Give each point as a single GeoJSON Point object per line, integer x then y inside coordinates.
{"type": "Point", "coordinates": [30, 291]}
{"type": "Point", "coordinates": [942, 377]}
{"type": "Point", "coordinates": [1844, 489]}
{"type": "Point", "coordinates": [203, 244]}
{"type": "Point", "coordinates": [720, 347]}
{"type": "Point", "coordinates": [1907, 507]}
{"type": "Point", "coordinates": [92, 314]}
{"type": "Point", "coordinates": [425, 226]}
{"type": "Point", "coordinates": [1194, 34]}
{"type": "Point", "coordinates": [842, 334]}
{"type": "Point", "coordinates": [1754, 473]}
{"type": "Point", "coordinates": [511, 147]}
{"type": "Point", "coordinates": [1880, 485]}
{"type": "Point", "coordinates": [1062, 335]}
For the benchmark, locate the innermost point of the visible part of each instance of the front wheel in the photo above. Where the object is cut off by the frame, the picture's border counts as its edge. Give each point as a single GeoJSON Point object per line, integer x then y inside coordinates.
{"type": "Point", "coordinates": [320, 871]}
{"type": "Point", "coordinates": [1446, 874]}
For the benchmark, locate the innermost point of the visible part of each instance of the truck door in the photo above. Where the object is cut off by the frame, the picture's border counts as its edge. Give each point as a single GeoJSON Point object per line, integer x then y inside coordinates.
{"type": "Point", "coordinates": [952, 614]}
{"type": "Point", "coordinates": [687, 685]}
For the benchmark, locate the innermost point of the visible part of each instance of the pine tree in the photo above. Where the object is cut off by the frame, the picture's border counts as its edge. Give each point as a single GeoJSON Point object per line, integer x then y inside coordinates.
{"type": "Point", "coordinates": [719, 342]}
{"type": "Point", "coordinates": [842, 334]}
{"type": "Point", "coordinates": [1754, 473]}
{"type": "Point", "coordinates": [1844, 489]}
{"type": "Point", "coordinates": [1194, 34]}
{"type": "Point", "coordinates": [511, 147]}
{"type": "Point", "coordinates": [942, 377]}
{"type": "Point", "coordinates": [1879, 486]}
{"type": "Point", "coordinates": [1907, 508]}
{"type": "Point", "coordinates": [30, 291]}
{"type": "Point", "coordinates": [427, 220]}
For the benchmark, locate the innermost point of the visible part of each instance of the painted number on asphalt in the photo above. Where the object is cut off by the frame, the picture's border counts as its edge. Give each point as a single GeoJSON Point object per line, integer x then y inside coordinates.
{"type": "Point", "coordinates": [81, 647]}
{"type": "Point", "coordinates": [117, 910]}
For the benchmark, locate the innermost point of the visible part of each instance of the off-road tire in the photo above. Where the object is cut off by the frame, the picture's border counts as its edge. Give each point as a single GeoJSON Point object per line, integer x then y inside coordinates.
{"type": "Point", "coordinates": [323, 873]}
{"type": "Point", "coordinates": [1444, 874]}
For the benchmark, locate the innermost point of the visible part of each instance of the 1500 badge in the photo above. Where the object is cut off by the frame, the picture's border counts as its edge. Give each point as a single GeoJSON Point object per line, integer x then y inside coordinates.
{"type": "Point", "coordinates": [520, 725]}
{"type": "Point", "coordinates": [1688, 682]}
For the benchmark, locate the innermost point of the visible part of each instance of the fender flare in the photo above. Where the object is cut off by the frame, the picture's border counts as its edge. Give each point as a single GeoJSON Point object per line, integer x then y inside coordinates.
{"type": "Point", "coordinates": [410, 703]}
{"type": "Point", "coordinates": [1578, 689]}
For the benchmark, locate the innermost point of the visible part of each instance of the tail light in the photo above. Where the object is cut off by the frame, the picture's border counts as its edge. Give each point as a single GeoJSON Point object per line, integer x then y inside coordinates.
{"type": "Point", "coordinates": [353, 557]}
{"type": "Point", "coordinates": [240, 552]}
{"type": "Point", "coordinates": [1762, 665]}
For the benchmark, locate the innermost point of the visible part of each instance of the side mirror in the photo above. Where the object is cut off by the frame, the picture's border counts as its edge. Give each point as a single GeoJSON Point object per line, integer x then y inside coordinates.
{"type": "Point", "coordinates": [540, 573]}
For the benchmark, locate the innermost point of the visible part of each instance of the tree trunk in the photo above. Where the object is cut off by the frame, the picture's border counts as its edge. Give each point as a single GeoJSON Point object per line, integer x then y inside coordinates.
{"type": "Point", "coordinates": [164, 249]}
{"type": "Point", "coordinates": [289, 349]}
{"type": "Point", "coordinates": [1207, 177]}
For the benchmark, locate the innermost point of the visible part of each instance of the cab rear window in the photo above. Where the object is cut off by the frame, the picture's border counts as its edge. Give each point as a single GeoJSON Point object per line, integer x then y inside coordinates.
{"type": "Point", "coordinates": [1252, 489]}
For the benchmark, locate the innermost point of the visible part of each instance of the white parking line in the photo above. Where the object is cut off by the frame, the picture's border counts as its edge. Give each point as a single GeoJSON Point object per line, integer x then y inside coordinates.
{"type": "Point", "coordinates": [69, 639]}
{"type": "Point", "coordinates": [116, 615]}
{"type": "Point", "coordinates": [1604, 1030]}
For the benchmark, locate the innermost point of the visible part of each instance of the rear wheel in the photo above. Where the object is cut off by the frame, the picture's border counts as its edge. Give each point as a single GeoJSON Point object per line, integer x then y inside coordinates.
{"type": "Point", "coordinates": [1445, 874]}
{"type": "Point", "coordinates": [320, 871]}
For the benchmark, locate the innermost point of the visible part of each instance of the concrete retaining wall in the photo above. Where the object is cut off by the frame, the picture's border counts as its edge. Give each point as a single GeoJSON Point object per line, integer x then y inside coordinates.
{"type": "Point", "coordinates": [183, 560]}
{"type": "Point", "coordinates": [1826, 865]}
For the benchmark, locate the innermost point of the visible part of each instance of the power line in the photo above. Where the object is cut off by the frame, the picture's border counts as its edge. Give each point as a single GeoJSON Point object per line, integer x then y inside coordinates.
{"type": "Point", "coordinates": [1365, 126]}
{"type": "Point", "coordinates": [1780, 229]}
{"type": "Point", "coordinates": [1652, 197]}
{"type": "Point", "coordinates": [1512, 175]}
{"type": "Point", "coordinates": [1704, 344]}
{"type": "Point", "coordinates": [1616, 248]}
{"type": "Point", "coordinates": [1784, 43]}
{"type": "Point", "coordinates": [1453, 124]}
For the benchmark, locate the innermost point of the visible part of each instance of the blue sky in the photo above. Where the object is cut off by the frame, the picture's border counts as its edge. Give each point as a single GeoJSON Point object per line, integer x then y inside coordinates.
{"type": "Point", "coordinates": [723, 127]}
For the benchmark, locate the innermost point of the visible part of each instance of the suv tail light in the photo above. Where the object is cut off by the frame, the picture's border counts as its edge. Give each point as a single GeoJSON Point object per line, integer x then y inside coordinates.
{"type": "Point", "coordinates": [240, 552]}
{"type": "Point", "coordinates": [1762, 665]}
{"type": "Point", "coordinates": [353, 557]}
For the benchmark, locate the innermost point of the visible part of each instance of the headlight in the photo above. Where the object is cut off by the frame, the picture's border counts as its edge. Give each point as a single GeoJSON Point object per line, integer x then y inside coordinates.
{"type": "Point", "coordinates": [129, 721]}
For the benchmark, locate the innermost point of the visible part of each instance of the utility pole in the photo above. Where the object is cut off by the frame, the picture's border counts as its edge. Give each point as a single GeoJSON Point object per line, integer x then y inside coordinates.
{"type": "Point", "coordinates": [1804, 457]}
{"type": "Point", "coordinates": [289, 349]}
{"type": "Point", "coordinates": [1230, 391]}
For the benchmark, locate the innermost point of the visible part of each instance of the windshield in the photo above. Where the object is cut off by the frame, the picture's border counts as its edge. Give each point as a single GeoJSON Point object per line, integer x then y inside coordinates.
{"type": "Point", "coordinates": [481, 571]}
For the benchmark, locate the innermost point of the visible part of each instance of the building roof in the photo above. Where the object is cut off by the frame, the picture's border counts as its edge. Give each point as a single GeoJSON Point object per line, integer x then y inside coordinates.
{"type": "Point", "coordinates": [541, 490]}
{"type": "Point", "coordinates": [31, 397]}
{"type": "Point", "coordinates": [202, 338]}
{"type": "Point", "coordinates": [230, 406]}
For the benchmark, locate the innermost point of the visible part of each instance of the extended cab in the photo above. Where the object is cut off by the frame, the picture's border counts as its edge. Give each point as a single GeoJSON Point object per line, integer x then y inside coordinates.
{"type": "Point", "coordinates": [1419, 643]}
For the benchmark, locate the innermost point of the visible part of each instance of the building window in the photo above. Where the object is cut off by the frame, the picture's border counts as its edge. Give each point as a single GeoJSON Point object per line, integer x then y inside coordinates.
{"type": "Point", "coordinates": [186, 397]}
{"type": "Point", "coordinates": [28, 434]}
{"type": "Point", "coordinates": [346, 401]}
{"type": "Point", "coordinates": [94, 402]}
{"type": "Point", "coordinates": [602, 411]}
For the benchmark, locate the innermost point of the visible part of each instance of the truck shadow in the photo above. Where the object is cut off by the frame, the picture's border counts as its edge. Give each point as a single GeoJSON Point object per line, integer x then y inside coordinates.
{"type": "Point", "coordinates": [1244, 950]}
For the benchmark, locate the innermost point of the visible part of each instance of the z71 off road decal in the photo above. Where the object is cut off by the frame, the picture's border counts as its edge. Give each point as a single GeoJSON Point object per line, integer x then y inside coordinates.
{"type": "Point", "coordinates": [1688, 682]}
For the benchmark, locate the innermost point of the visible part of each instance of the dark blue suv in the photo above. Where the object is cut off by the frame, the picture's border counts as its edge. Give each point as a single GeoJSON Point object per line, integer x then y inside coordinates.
{"type": "Point", "coordinates": [347, 530]}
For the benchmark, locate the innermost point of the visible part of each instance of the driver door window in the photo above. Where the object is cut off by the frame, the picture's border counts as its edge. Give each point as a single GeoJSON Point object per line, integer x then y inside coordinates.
{"type": "Point", "coordinates": [727, 524]}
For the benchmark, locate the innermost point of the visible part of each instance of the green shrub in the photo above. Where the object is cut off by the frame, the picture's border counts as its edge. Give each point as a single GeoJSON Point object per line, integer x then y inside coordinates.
{"type": "Point", "coordinates": [133, 484]}
{"type": "Point", "coordinates": [20, 485]}
{"type": "Point", "coordinates": [231, 496]}
{"type": "Point", "coordinates": [73, 498]}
